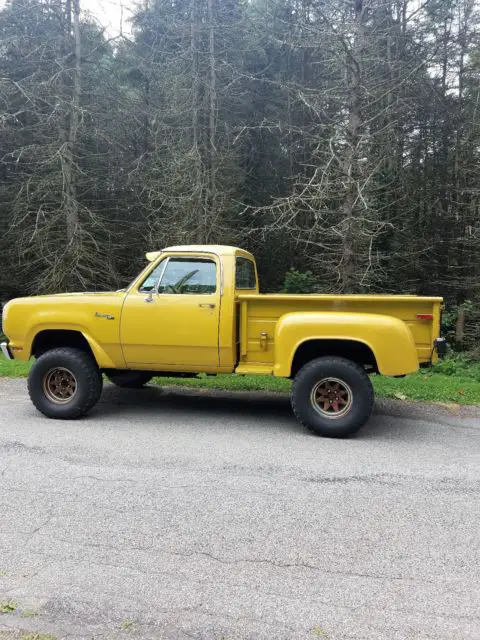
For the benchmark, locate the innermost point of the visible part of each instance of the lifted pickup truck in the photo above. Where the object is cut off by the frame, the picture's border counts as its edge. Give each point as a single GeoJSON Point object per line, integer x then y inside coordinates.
{"type": "Point", "coordinates": [197, 309]}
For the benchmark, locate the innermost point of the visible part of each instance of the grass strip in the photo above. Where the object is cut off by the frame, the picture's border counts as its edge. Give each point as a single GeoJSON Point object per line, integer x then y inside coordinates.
{"type": "Point", "coordinates": [450, 382]}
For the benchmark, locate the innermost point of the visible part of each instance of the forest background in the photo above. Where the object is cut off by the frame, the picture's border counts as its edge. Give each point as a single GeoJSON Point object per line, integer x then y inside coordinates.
{"type": "Point", "coordinates": [338, 140]}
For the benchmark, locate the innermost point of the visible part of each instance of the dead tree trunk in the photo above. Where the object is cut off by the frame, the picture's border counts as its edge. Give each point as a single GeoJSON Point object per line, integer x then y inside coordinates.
{"type": "Point", "coordinates": [70, 186]}
{"type": "Point", "coordinates": [198, 208]}
{"type": "Point", "coordinates": [348, 263]}
{"type": "Point", "coordinates": [211, 210]}
{"type": "Point", "coordinates": [460, 326]}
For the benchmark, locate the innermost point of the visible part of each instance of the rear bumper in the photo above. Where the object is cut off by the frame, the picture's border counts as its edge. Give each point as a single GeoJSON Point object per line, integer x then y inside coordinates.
{"type": "Point", "coordinates": [6, 351]}
{"type": "Point", "coordinates": [440, 346]}
{"type": "Point", "coordinates": [439, 351]}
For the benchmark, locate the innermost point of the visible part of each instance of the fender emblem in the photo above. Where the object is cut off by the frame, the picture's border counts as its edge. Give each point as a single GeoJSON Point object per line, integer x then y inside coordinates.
{"type": "Point", "coordinates": [107, 316]}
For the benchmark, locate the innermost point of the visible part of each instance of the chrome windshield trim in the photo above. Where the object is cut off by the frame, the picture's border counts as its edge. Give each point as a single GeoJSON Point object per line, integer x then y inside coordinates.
{"type": "Point", "coordinates": [159, 281]}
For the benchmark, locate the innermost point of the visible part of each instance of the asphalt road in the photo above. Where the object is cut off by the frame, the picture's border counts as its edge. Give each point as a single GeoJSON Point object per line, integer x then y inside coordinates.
{"type": "Point", "coordinates": [177, 514]}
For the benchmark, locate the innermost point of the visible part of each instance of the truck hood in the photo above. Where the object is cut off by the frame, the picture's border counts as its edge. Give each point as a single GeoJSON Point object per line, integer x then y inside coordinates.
{"type": "Point", "coordinates": [53, 296]}
{"type": "Point", "coordinates": [21, 314]}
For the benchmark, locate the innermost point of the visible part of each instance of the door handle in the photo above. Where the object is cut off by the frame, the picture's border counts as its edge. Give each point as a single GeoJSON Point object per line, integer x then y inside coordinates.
{"type": "Point", "coordinates": [207, 306]}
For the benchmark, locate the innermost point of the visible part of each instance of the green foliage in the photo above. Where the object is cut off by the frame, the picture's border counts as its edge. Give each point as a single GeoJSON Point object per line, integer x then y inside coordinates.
{"type": "Point", "coordinates": [8, 606]}
{"type": "Point", "coordinates": [226, 122]}
{"type": "Point", "coordinates": [449, 319]}
{"type": "Point", "coordinates": [471, 338]}
{"type": "Point", "coordinates": [300, 282]}
{"type": "Point", "coordinates": [459, 365]}
{"type": "Point", "coordinates": [128, 625]}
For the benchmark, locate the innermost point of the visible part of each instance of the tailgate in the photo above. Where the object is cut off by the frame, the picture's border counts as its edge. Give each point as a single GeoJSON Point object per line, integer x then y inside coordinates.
{"type": "Point", "coordinates": [425, 327]}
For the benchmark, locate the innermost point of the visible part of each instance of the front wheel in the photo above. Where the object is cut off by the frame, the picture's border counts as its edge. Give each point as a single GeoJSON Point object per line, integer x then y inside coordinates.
{"type": "Point", "coordinates": [333, 397]}
{"type": "Point", "coordinates": [65, 383]}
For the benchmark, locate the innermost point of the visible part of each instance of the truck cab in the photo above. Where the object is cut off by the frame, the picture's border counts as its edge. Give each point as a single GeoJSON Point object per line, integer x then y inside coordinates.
{"type": "Point", "coordinates": [182, 311]}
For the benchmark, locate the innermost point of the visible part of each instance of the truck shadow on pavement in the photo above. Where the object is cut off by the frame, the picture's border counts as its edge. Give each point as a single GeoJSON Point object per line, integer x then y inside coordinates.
{"type": "Point", "coordinates": [206, 405]}
{"type": "Point", "coordinates": [204, 402]}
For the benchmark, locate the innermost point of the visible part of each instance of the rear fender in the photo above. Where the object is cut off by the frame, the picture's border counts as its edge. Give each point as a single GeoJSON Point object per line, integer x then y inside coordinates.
{"type": "Point", "coordinates": [389, 338]}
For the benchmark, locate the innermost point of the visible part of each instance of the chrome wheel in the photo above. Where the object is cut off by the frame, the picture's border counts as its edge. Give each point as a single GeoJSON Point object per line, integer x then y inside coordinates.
{"type": "Point", "coordinates": [60, 385]}
{"type": "Point", "coordinates": [332, 398]}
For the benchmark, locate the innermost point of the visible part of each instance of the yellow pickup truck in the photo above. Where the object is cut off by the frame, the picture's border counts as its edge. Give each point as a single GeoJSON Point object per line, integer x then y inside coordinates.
{"type": "Point", "coordinates": [197, 309]}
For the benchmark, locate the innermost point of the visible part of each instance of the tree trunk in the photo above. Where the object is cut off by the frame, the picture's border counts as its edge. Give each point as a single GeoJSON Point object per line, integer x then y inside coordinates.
{"type": "Point", "coordinates": [71, 203]}
{"type": "Point", "coordinates": [348, 264]}
{"type": "Point", "coordinates": [460, 326]}
{"type": "Point", "coordinates": [211, 212]}
{"type": "Point", "coordinates": [198, 207]}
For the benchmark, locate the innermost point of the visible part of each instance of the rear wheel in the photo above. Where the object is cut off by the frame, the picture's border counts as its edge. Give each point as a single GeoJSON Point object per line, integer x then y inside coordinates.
{"type": "Point", "coordinates": [332, 397]}
{"type": "Point", "coordinates": [130, 379]}
{"type": "Point", "coordinates": [65, 383]}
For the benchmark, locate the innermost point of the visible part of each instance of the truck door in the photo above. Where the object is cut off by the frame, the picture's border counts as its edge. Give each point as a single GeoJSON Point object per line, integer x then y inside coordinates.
{"type": "Point", "coordinates": [172, 317]}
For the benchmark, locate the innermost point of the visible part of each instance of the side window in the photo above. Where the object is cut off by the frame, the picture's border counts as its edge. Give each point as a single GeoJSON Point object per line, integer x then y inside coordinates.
{"type": "Point", "coordinates": [189, 276]}
{"type": "Point", "coordinates": [245, 277]}
{"type": "Point", "coordinates": [151, 281]}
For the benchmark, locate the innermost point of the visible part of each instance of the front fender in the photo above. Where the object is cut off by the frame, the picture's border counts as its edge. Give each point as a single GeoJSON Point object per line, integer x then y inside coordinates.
{"type": "Point", "coordinates": [389, 338]}
{"type": "Point", "coordinates": [95, 316]}
{"type": "Point", "coordinates": [102, 358]}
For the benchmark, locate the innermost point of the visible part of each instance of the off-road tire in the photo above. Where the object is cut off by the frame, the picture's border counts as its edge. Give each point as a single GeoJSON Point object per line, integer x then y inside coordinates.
{"type": "Point", "coordinates": [341, 369]}
{"type": "Point", "coordinates": [89, 383]}
{"type": "Point", "coordinates": [130, 379]}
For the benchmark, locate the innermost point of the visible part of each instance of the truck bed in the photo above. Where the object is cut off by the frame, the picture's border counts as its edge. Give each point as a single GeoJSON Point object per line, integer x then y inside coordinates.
{"type": "Point", "coordinates": [259, 313]}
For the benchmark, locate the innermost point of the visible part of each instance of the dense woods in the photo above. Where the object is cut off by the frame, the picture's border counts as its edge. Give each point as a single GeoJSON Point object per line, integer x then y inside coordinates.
{"type": "Point", "coordinates": [337, 140]}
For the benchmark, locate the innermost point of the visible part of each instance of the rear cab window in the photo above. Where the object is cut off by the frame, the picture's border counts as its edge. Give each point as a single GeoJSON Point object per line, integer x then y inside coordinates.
{"type": "Point", "coordinates": [245, 274]}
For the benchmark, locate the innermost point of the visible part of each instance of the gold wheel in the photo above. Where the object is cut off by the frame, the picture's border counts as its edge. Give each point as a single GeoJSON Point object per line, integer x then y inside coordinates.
{"type": "Point", "coordinates": [60, 385]}
{"type": "Point", "coordinates": [332, 398]}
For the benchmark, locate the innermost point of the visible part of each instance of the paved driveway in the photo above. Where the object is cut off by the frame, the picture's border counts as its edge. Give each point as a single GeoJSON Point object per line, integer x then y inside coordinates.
{"type": "Point", "coordinates": [204, 515]}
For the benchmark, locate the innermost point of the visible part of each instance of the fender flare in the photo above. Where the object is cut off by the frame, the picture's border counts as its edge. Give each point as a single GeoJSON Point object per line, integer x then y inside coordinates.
{"type": "Point", "coordinates": [388, 338]}
{"type": "Point", "coordinates": [103, 360]}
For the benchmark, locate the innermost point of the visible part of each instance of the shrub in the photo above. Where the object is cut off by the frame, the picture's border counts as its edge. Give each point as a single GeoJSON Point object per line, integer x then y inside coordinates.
{"type": "Point", "coordinates": [300, 282]}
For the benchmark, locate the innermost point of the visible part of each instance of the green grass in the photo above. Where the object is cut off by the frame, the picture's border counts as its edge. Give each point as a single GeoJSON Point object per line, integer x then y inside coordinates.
{"type": "Point", "coordinates": [226, 382]}
{"type": "Point", "coordinates": [8, 606]}
{"type": "Point", "coordinates": [455, 380]}
{"type": "Point", "coordinates": [13, 368]}
{"type": "Point", "coordinates": [429, 387]}
{"type": "Point", "coordinates": [128, 625]}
